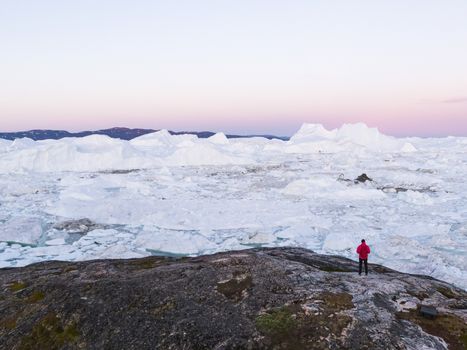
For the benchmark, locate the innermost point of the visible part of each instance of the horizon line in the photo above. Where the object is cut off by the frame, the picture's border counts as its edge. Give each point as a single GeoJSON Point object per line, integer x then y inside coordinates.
{"type": "Point", "coordinates": [214, 132]}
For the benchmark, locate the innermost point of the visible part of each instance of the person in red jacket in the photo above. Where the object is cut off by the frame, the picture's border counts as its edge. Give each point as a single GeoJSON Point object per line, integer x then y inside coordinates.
{"type": "Point", "coordinates": [363, 250]}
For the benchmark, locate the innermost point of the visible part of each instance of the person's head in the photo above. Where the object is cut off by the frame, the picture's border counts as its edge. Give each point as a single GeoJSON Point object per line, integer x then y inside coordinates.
{"type": "Point", "coordinates": [363, 241]}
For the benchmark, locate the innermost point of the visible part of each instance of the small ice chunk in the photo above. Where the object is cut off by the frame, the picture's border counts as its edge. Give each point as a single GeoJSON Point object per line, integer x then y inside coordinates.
{"type": "Point", "coordinates": [57, 241]}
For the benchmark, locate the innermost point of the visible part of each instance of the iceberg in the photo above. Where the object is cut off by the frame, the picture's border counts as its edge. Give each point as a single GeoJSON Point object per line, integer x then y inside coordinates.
{"type": "Point", "coordinates": [313, 138]}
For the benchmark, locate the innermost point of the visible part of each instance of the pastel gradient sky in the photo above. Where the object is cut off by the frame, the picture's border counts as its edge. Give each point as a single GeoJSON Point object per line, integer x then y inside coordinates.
{"type": "Point", "coordinates": [243, 66]}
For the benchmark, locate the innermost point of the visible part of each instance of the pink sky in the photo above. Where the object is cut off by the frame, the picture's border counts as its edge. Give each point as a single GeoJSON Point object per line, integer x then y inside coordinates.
{"type": "Point", "coordinates": [242, 67]}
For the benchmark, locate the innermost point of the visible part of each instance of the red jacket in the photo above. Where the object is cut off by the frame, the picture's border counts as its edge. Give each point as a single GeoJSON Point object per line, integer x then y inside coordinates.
{"type": "Point", "coordinates": [363, 250]}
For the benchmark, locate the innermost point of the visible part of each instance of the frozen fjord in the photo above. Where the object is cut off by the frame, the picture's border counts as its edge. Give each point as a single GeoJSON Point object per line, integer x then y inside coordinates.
{"type": "Point", "coordinates": [164, 194]}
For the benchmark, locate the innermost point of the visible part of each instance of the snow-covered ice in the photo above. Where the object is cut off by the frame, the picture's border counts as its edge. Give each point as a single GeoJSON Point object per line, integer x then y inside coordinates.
{"type": "Point", "coordinates": [180, 195]}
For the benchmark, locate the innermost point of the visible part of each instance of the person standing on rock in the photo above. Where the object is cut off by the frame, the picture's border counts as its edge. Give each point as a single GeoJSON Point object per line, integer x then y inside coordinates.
{"type": "Point", "coordinates": [363, 250]}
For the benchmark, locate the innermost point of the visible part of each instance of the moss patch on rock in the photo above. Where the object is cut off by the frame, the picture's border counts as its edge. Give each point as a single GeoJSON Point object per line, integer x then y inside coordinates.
{"type": "Point", "coordinates": [277, 323]}
{"type": "Point", "coordinates": [144, 263]}
{"type": "Point", "coordinates": [451, 328]}
{"type": "Point", "coordinates": [447, 292]}
{"type": "Point", "coordinates": [35, 297]}
{"type": "Point", "coordinates": [294, 327]}
{"type": "Point", "coordinates": [8, 323]}
{"type": "Point", "coordinates": [49, 333]}
{"type": "Point", "coordinates": [337, 301]}
{"type": "Point", "coordinates": [17, 286]}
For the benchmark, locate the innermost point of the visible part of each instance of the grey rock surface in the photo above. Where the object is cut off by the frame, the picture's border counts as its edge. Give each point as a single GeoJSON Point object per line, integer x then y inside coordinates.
{"type": "Point", "coordinates": [80, 226]}
{"type": "Point", "coordinates": [278, 298]}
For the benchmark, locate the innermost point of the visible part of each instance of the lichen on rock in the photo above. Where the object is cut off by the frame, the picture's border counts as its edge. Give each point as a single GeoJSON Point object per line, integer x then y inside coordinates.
{"type": "Point", "coordinates": [268, 298]}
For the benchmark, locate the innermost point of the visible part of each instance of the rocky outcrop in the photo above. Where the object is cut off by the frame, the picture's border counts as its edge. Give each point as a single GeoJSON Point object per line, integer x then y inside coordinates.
{"type": "Point", "coordinates": [280, 298]}
{"type": "Point", "coordinates": [80, 226]}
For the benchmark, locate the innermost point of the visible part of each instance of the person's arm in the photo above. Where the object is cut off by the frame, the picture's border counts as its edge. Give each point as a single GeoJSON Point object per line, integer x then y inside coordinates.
{"type": "Point", "coordinates": [368, 249]}
{"type": "Point", "coordinates": [358, 249]}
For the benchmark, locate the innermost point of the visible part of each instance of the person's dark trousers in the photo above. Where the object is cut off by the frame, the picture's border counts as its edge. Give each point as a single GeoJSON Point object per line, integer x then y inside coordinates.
{"type": "Point", "coordinates": [360, 261]}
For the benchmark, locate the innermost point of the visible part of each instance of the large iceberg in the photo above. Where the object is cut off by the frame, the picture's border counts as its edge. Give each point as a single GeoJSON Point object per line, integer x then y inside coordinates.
{"type": "Point", "coordinates": [349, 137]}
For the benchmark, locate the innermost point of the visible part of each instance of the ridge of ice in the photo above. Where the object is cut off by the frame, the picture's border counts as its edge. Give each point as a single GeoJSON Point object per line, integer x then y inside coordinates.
{"type": "Point", "coordinates": [316, 138]}
{"type": "Point", "coordinates": [101, 152]}
{"type": "Point", "coordinates": [219, 138]}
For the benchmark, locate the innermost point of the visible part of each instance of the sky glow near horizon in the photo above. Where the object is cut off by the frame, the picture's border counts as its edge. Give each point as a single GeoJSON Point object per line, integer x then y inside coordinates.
{"type": "Point", "coordinates": [234, 66]}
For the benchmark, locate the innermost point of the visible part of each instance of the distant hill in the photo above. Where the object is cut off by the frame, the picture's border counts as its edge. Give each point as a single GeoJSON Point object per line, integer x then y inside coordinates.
{"type": "Point", "coordinates": [118, 133]}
